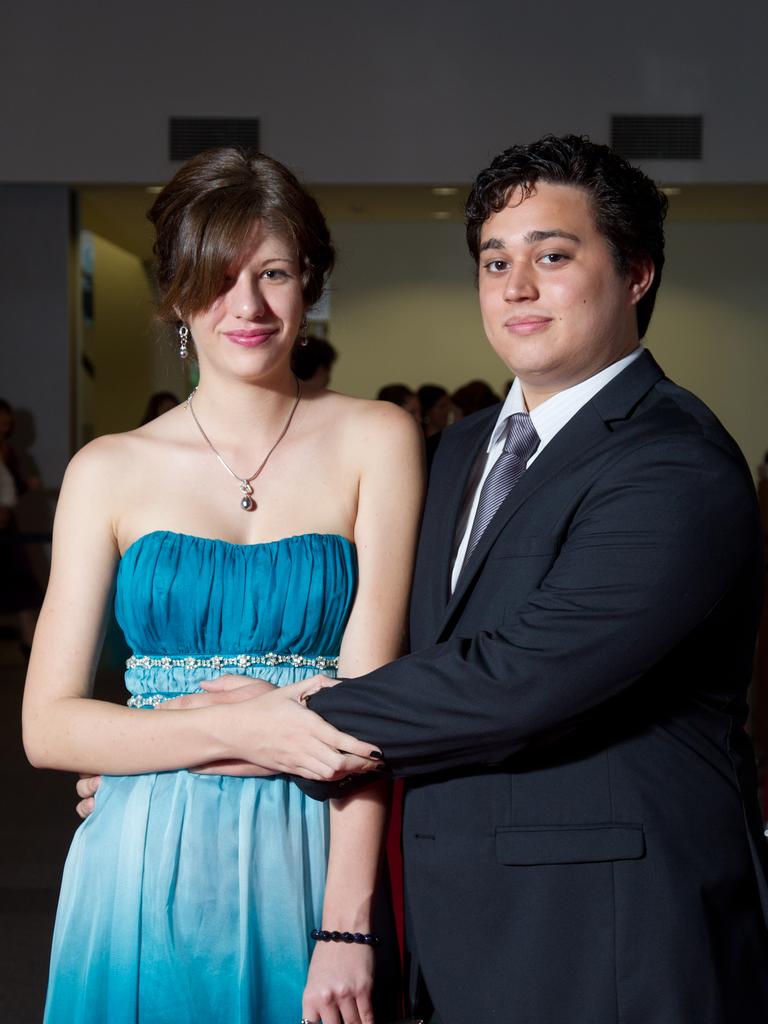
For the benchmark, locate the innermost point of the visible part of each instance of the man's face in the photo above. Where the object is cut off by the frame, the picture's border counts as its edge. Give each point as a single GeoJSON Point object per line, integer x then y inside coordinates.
{"type": "Point", "coordinates": [554, 305]}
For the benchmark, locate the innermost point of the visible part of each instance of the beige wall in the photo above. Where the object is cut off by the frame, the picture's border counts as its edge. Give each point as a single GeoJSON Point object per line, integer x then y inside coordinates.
{"type": "Point", "coordinates": [404, 308]}
{"type": "Point", "coordinates": [710, 331]}
{"type": "Point", "coordinates": [130, 357]}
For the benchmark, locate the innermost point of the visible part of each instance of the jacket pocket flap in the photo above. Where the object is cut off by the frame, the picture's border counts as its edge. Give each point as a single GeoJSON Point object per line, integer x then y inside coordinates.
{"type": "Point", "coordinates": [569, 844]}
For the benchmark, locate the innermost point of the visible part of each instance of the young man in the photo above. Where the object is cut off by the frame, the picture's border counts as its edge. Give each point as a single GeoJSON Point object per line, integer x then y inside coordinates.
{"type": "Point", "coordinates": [582, 839]}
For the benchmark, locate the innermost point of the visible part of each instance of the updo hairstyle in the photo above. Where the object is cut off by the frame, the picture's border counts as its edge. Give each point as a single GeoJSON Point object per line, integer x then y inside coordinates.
{"type": "Point", "coordinates": [204, 219]}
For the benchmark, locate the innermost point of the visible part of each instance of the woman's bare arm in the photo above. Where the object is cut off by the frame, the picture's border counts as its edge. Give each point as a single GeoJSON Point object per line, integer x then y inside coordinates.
{"type": "Point", "coordinates": [389, 508]}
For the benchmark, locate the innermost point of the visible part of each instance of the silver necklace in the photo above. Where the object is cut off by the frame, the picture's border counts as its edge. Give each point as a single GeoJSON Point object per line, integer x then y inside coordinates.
{"type": "Point", "coordinates": [247, 502]}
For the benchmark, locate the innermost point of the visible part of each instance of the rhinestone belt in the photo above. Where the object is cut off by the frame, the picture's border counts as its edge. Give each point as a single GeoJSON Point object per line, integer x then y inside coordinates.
{"type": "Point", "coordinates": [218, 662]}
{"type": "Point", "coordinates": [153, 700]}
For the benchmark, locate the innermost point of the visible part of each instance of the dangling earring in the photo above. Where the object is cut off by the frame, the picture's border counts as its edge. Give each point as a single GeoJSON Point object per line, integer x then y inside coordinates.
{"type": "Point", "coordinates": [183, 339]}
{"type": "Point", "coordinates": [303, 339]}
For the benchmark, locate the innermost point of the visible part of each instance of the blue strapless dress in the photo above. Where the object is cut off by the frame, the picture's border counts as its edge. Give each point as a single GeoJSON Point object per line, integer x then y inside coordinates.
{"type": "Point", "coordinates": [190, 898]}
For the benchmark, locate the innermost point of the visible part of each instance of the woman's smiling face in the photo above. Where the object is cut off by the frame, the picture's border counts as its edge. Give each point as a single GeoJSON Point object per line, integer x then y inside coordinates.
{"type": "Point", "coordinates": [251, 326]}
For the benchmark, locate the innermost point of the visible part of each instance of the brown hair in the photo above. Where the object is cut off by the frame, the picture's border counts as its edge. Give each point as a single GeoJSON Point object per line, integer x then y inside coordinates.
{"type": "Point", "coordinates": [205, 215]}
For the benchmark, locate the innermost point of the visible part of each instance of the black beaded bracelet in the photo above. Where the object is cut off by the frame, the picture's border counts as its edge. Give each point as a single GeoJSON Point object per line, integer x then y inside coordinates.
{"type": "Point", "coordinates": [321, 935]}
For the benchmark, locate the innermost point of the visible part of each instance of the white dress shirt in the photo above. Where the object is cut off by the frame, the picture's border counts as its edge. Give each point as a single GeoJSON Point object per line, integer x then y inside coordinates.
{"type": "Point", "coordinates": [548, 418]}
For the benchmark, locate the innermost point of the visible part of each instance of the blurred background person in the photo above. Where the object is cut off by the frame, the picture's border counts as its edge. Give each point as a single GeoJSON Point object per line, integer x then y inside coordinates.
{"type": "Point", "coordinates": [24, 481]}
{"type": "Point", "coordinates": [437, 409]}
{"type": "Point", "coordinates": [157, 404]}
{"type": "Point", "coordinates": [20, 592]}
{"type": "Point", "coordinates": [759, 695]}
{"type": "Point", "coordinates": [401, 394]}
{"type": "Point", "coordinates": [312, 360]}
{"type": "Point", "coordinates": [474, 396]}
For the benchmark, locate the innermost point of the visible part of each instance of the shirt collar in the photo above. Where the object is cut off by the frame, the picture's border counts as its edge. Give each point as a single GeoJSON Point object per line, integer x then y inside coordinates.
{"type": "Point", "coordinates": [552, 415]}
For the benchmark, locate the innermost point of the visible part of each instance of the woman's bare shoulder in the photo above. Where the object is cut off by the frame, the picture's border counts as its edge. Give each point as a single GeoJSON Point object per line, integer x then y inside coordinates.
{"type": "Point", "coordinates": [378, 438]}
{"type": "Point", "coordinates": [112, 475]}
{"type": "Point", "coordinates": [111, 459]}
{"type": "Point", "coordinates": [104, 454]}
{"type": "Point", "coordinates": [374, 420]}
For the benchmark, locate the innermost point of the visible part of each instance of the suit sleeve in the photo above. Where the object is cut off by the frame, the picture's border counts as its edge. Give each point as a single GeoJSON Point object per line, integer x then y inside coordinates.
{"type": "Point", "coordinates": [656, 544]}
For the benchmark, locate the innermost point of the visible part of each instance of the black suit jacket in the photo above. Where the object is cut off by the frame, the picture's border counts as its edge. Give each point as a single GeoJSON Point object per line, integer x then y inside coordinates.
{"type": "Point", "coordinates": [581, 834]}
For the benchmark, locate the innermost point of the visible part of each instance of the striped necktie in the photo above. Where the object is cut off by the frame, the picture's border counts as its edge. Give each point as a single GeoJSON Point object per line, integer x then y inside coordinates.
{"type": "Point", "coordinates": [520, 444]}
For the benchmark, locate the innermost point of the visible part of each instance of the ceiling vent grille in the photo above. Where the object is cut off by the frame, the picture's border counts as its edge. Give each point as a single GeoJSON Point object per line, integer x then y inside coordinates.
{"type": "Point", "coordinates": [657, 136]}
{"type": "Point", "coordinates": [188, 136]}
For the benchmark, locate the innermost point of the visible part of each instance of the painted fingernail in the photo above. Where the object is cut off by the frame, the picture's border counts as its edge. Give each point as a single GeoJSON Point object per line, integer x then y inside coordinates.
{"type": "Point", "coordinates": [377, 755]}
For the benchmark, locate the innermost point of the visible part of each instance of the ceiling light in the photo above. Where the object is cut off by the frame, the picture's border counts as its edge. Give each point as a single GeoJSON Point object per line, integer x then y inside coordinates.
{"type": "Point", "coordinates": [445, 191]}
{"type": "Point", "coordinates": [153, 189]}
{"type": "Point", "coordinates": [671, 190]}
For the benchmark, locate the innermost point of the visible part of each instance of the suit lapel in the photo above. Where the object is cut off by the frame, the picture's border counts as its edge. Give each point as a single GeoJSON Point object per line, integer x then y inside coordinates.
{"type": "Point", "coordinates": [587, 428]}
{"type": "Point", "coordinates": [452, 465]}
{"type": "Point", "coordinates": [581, 433]}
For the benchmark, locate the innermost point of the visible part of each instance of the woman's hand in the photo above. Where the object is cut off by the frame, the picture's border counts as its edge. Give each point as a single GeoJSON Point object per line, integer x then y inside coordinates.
{"type": "Point", "coordinates": [234, 689]}
{"type": "Point", "coordinates": [279, 732]}
{"type": "Point", "coordinates": [276, 732]}
{"type": "Point", "coordinates": [223, 690]}
{"type": "Point", "coordinates": [294, 740]}
{"type": "Point", "coordinates": [286, 737]}
{"type": "Point", "coordinates": [230, 689]}
{"type": "Point", "coordinates": [339, 984]}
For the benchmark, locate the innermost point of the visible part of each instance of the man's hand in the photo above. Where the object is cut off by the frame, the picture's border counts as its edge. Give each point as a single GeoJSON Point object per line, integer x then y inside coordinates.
{"type": "Point", "coordinates": [300, 691]}
{"type": "Point", "coordinates": [86, 787]}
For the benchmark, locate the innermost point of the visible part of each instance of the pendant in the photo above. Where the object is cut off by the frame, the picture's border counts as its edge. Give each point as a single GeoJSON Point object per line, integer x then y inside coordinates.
{"type": "Point", "coordinates": [246, 502]}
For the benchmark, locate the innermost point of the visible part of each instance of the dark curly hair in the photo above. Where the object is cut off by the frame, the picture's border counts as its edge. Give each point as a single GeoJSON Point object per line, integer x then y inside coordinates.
{"type": "Point", "coordinates": [205, 215]}
{"type": "Point", "coordinates": [629, 209]}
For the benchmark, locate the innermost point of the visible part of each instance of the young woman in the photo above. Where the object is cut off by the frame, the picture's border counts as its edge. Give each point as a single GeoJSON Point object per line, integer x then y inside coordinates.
{"type": "Point", "coordinates": [257, 530]}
